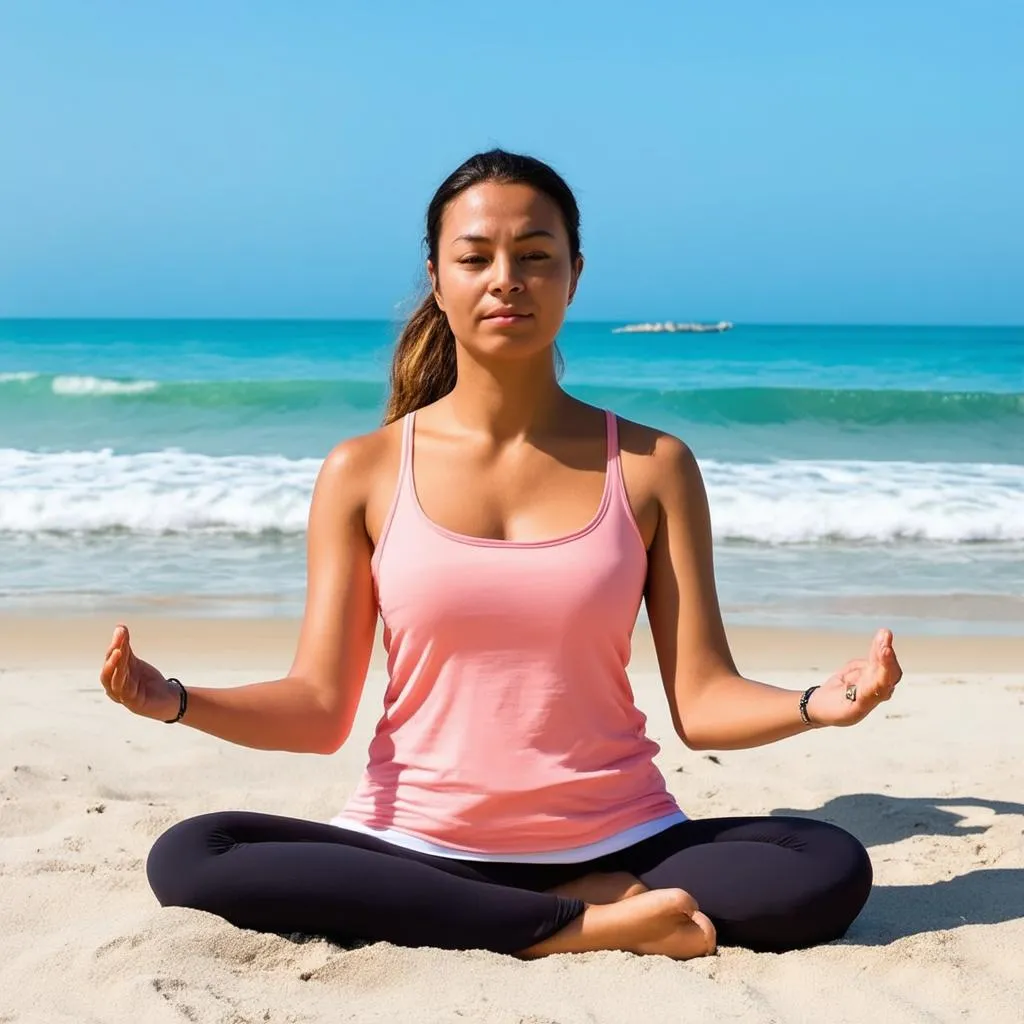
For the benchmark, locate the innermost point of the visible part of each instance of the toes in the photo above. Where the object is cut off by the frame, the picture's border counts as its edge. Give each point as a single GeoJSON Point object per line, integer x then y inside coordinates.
{"type": "Point", "coordinates": [703, 922]}
{"type": "Point", "coordinates": [679, 901]}
{"type": "Point", "coordinates": [687, 904]}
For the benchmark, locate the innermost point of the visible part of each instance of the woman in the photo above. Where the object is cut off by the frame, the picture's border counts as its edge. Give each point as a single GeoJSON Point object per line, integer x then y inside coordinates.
{"type": "Point", "coordinates": [506, 533]}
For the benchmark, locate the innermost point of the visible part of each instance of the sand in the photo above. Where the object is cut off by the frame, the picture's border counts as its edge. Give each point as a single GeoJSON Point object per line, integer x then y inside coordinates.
{"type": "Point", "coordinates": [932, 783]}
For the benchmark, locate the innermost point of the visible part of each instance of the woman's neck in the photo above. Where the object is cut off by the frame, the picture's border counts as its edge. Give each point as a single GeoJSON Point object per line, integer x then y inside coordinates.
{"type": "Point", "coordinates": [516, 399]}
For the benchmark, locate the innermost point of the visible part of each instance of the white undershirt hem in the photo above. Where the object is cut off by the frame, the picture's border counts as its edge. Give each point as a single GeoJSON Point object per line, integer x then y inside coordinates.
{"type": "Point", "coordinates": [573, 855]}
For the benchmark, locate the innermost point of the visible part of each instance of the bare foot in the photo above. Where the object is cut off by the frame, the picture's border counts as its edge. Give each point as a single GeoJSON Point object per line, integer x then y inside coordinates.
{"type": "Point", "coordinates": [661, 921]}
{"type": "Point", "coordinates": [601, 887]}
{"type": "Point", "coordinates": [669, 923]}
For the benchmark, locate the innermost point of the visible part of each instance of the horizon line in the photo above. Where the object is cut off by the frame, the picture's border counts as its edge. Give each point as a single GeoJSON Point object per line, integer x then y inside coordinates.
{"type": "Point", "coordinates": [581, 321]}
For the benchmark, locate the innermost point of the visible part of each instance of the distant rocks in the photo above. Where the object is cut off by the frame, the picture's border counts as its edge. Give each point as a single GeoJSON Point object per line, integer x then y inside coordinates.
{"type": "Point", "coordinates": [672, 328]}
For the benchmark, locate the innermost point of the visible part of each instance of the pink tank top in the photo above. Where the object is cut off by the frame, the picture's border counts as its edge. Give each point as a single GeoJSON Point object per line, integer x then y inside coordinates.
{"type": "Point", "coordinates": [509, 724]}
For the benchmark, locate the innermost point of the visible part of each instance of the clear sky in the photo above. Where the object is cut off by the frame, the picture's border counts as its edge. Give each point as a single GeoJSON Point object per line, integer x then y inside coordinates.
{"type": "Point", "coordinates": [752, 161]}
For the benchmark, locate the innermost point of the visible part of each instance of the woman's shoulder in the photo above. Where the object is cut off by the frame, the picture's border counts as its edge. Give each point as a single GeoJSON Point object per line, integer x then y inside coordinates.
{"type": "Point", "coordinates": [655, 451]}
{"type": "Point", "coordinates": [659, 472]}
{"type": "Point", "coordinates": [353, 465]}
{"type": "Point", "coordinates": [662, 474]}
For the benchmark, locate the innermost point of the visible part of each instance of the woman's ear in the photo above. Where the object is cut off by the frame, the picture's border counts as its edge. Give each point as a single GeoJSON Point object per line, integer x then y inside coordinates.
{"type": "Point", "coordinates": [435, 285]}
{"type": "Point", "coordinates": [576, 271]}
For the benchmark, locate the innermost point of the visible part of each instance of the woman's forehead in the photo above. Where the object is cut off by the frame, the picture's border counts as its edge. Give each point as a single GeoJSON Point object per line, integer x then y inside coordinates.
{"type": "Point", "coordinates": [491, 208]}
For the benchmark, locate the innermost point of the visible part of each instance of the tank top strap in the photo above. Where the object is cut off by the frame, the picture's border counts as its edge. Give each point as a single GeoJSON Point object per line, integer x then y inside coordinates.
{"type": "Point", "coordinates": [405, 465]}
{"type": "Point", "coordinates": [400, 500]}
{"type": "Point", "coordinates": [611, 428]}
{"type": "Point", "coordinates": [405, 491]}
{"type": "Point", "coordinates": [618, 498]}
{"type": "Point", "coordinates": [614, 466]}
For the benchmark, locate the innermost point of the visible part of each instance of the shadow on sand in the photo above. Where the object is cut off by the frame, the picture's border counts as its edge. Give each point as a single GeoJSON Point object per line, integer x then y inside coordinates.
{"type": "Point", "coordinates": [984, 896]}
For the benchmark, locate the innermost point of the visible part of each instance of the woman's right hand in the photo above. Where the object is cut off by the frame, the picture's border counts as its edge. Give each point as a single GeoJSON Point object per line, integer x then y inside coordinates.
{"type": "Point", "coordinates": [135, 683]}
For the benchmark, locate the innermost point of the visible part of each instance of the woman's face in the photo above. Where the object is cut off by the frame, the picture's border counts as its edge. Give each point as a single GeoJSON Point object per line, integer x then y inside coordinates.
{"type": "Point", "coordinates": [504, 249]}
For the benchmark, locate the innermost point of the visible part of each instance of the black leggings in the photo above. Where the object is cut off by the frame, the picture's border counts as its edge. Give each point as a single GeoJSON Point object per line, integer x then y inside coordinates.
{"type": "Point", "coordinates": [766, 883]}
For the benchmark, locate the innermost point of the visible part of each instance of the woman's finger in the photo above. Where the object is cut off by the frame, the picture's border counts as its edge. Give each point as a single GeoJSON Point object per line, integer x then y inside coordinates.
{"type": "Point", "coordinates": [894, 666]}
{"type": "Point", "coordinates": [893, 673]}
{"type": "Point", "coordinates": [881, 688]}
{"type": "Point", "coordinates": [115, 646]}
{"type": "Point", "coordinates": [890, 666]}
{"type": "Point", "coordinates": [883, 672]}
{"type": "Point", "coordinates": [116, 640]}
{"type": "Point", "coordinates": [122, 674]}
{"type": "Point", "coordinates": [115, 682]}
{"type": "Point", "coordinates": [131, 680]}
{"type": "Point", "coordinates": [107, 674]}
{"type": "Point", "coordinates": [126, 675]}
{"type": "Point", "coordinates": [116, 672]}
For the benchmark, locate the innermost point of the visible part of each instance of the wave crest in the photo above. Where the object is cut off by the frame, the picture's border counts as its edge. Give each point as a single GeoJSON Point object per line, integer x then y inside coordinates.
{"type": "Point", "coordinates": [69, 385]}
{"type": "Point", "coordinates": [776, 503]}
{"type": "Point", "coordinates": [651, 401]}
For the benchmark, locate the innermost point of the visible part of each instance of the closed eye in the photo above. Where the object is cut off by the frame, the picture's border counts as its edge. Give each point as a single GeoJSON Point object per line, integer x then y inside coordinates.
{"type": "Point", "coordinates": [476, 259]}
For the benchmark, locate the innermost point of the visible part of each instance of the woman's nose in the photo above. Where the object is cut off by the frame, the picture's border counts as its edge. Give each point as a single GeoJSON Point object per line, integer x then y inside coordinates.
{"type": "Point", "coordinates": [505, 275]}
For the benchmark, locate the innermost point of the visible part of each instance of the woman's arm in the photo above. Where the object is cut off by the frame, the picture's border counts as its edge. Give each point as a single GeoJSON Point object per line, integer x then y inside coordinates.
{"type": "Point", "coordinates": [311, 710]}
{"type": "Point", "coordinates": [336, 639]}
{"type": "Point", "coordinates": [712, 705]}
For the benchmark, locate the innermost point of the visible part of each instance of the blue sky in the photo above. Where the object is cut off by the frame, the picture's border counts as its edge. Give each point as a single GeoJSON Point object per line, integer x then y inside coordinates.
{"type": "Point", "coordinates": [782, 162]}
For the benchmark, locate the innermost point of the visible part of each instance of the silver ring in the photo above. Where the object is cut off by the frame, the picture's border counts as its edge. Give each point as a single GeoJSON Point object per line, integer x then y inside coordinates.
{"type": "Point", "coordinates": [851, 692]}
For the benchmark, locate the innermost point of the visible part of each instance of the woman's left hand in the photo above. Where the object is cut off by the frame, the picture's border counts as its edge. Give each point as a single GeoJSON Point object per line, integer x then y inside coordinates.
{"type": "Point", "coordinates": [858, 687]}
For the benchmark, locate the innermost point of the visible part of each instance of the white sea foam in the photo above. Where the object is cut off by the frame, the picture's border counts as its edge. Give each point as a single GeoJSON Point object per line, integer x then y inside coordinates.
{"type": "Point", "coordinates": [155, 492]}
{"type": "Point", "coordinates": [20, 377]}
{"type": "Point", "coordinates": [67, 385]}
{"type": "Point", "coordinates": [787, 502]}
{"type": "Point", "coordinates": [782, 502]}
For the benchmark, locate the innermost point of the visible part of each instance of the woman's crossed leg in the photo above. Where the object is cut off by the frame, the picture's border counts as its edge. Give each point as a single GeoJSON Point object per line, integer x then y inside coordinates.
{"type": "Point", "coordinates": [273, 873]}
{"type": "Point", "coordinates": [766, 883]}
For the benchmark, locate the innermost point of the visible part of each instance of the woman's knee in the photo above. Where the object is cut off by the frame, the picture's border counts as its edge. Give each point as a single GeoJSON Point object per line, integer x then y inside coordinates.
{"type": "Point", "coordinates": [840, 881]}
{"type": "Point", "coordinates": [855, 883]}
{"type": "Point", "coordinates": [176, 857]}
{"type": "Point", "coordinates": [848, 859]}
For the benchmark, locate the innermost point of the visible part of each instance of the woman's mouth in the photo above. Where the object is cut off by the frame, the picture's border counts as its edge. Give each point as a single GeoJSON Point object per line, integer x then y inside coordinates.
{"type": "Point", "coordinates": [505, 319]}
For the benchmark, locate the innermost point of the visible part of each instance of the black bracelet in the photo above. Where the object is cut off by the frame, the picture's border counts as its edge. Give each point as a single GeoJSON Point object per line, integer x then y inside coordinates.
{"type": "Point", "coordinates": [182, 705]}
{"type": "Point", "coordinates": [803, 705]}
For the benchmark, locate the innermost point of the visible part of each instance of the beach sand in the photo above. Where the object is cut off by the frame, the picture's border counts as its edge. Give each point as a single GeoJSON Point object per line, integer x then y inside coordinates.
{"type": "Point", "coordinates": [932, 783]}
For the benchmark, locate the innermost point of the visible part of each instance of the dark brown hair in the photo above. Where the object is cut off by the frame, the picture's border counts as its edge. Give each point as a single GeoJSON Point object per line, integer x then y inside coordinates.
{"type": "Point", "coordinates": [423, 366]}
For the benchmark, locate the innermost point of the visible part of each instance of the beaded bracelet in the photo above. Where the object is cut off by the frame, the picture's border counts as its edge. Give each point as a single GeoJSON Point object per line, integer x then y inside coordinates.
{"type": "Point", "coordinates": [183, 702]}
{"type": "Point", "coordinates": [803, 705]}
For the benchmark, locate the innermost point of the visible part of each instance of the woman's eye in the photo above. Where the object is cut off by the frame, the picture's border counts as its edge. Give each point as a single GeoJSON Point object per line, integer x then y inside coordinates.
{"type": "Point", "coordinates": [475, 259]}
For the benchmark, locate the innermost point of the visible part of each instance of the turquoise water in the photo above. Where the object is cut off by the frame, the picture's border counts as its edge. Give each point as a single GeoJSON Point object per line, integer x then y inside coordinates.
{"type": "Point", "coordinates": [852, 471]}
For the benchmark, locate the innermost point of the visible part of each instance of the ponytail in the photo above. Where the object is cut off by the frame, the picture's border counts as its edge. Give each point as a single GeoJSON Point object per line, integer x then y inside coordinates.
{"type": "Point", "coordinates": [423, 368]}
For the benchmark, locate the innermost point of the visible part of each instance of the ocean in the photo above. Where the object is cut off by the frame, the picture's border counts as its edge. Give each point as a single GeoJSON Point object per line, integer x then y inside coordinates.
{"type": "Point", "coordinates": [857, 476]}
